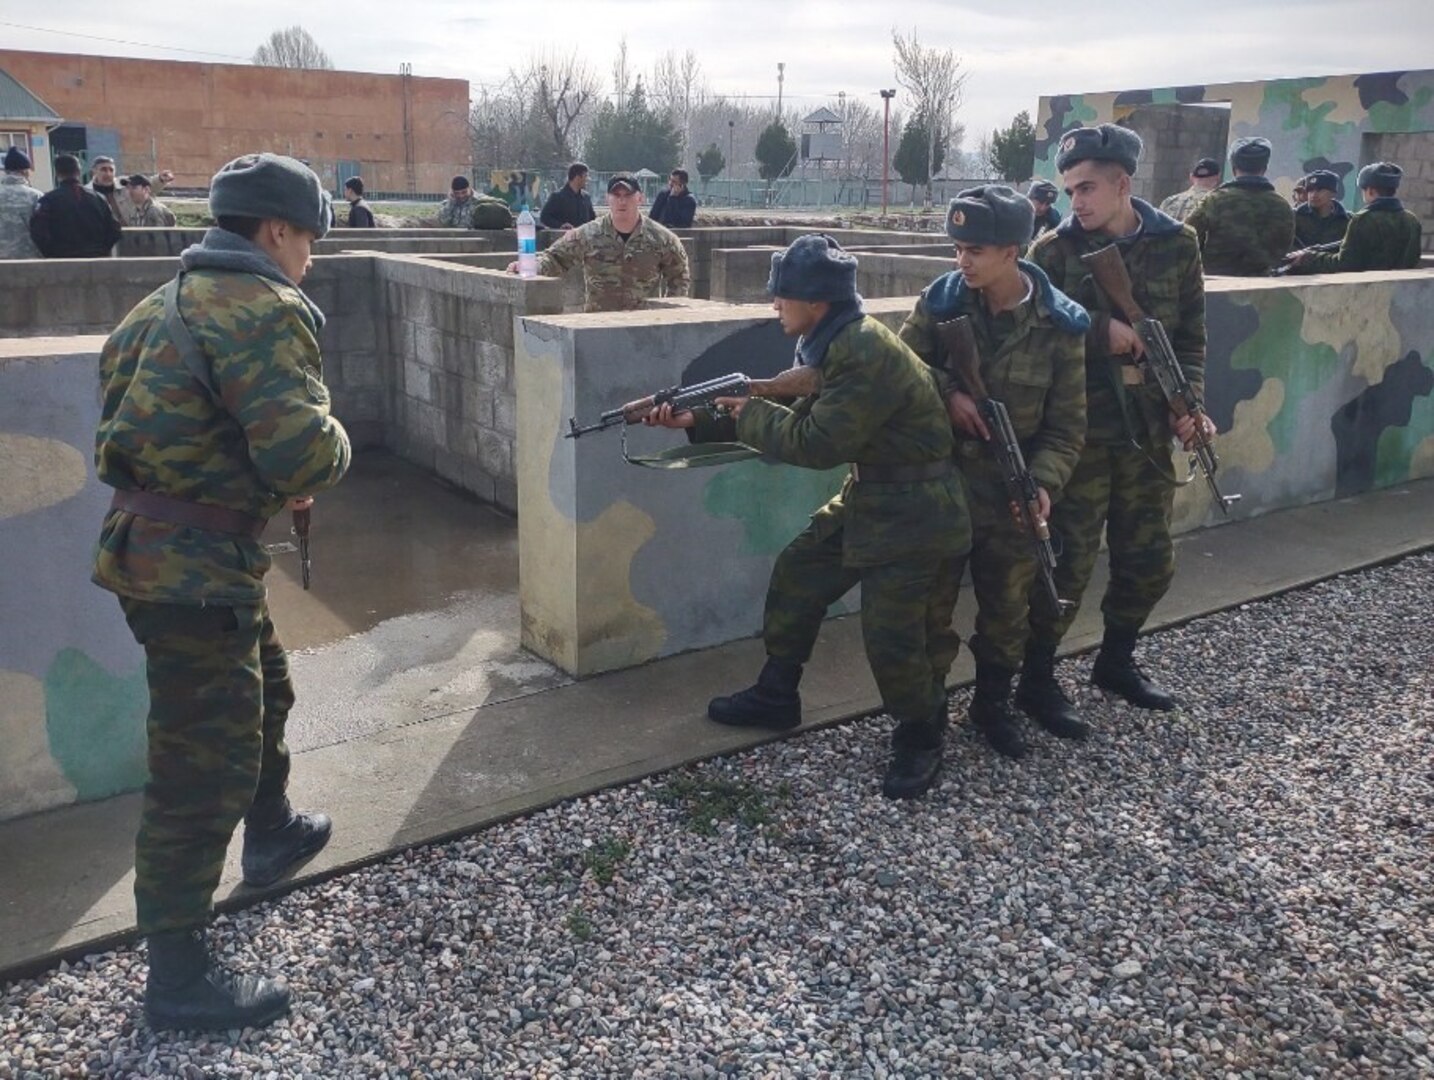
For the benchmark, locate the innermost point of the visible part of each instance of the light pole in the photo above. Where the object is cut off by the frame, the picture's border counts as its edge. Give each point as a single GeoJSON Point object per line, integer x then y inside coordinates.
{"type": "Point", "coordinates": [781, 74]}
{"type": "Point", "coordinates": [886, 96]}
{"type": "Point", "coordinates": [731, 161]}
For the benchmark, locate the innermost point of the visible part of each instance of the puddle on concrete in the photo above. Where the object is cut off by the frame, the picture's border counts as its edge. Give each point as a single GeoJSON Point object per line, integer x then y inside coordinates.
{"type": "Point", "coordinates": [413, 611]}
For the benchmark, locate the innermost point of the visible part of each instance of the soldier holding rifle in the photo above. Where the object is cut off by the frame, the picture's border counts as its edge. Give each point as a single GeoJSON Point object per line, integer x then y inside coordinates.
{"type": "Point", "coordinates": [897, 528]}
{"type": "Point", "coordinates": [1024, 348]}
{"type": "Point", "coordinates": [1124, 480]}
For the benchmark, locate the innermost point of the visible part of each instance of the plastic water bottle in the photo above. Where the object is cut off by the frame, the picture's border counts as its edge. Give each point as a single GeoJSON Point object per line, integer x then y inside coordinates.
{"type": "Point", "coordinates": [527, 244]}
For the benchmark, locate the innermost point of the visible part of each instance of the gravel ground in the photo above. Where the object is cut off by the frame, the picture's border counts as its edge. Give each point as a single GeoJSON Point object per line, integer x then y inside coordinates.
{"type": "Point", "coordinates": [1240, 889]}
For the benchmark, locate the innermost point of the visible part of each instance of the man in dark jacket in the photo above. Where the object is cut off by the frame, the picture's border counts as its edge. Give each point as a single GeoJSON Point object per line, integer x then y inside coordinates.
{"type": "Point", "coordinates": [70, 222]}
{"type": "Point", "coordinates": [569, 206]}
{"type": "Point", "coordinates": [1322, 219]}
{"type": "Point", "coordinates": [674, 206]}
{"type": "Point", "coordinates": [1382, 236]}
{"type": "Point", "coordinates": [360, 216]}
{"type": "Point", "coordinates": [1042, 196]}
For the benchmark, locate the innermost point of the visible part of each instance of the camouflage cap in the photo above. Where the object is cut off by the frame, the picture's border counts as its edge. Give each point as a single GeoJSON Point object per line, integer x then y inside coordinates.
{"type": "Point", "coordinates": [993, 214]}
{"type": "Point", "coordinates": [1321, 180]}
{"type": "Point", "coordinates": [270, 186]}
{"type": "Point", "coordinates": [1205, 168]}
{"type": "Point", "coordinates": [1383, 174]}
{"type": "Point", "coordinates": [1105, 142]}
{"type": "Point", "coordinates": [814, 268]}
{"type": "Point", "coordinates": [1251, 152]}
{"type": "Point", "coordinates": [1041, 190]}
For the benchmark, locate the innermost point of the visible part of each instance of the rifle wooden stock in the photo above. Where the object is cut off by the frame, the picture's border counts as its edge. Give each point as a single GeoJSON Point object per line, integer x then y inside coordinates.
{"type": "Point", "coordinates": [1108, 269]}
{"type": "Point", "coordinates": [963, 359]}
{"type": "Point", "coordinates": [795, 382]}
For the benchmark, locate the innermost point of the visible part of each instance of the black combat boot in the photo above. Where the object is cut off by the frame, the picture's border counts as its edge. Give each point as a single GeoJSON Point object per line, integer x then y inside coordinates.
{"type": "Point", "coordinates": [1116, 672]}
{"type": "Point", "coordinates": [186, 991]}
{"type": "Point", "coordinates": [991, 713]}
{"type": "Point", "coordinates": [1040, 696]}
{"type": "Point", "coordinates": [276, 838]}
{"type": "Point", "coordinates": [915, 756]}
{"type": "Point", "coordinates": [772, 703]}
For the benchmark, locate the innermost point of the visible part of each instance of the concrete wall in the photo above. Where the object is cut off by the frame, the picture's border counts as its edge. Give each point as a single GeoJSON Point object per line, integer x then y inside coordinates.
{"type": "Point", "coordinates": [1322, 389]}
{"type": "Point", "coordinates": [152, 243]}
{"type": "Point", "coordinates": [1317, 123]}
{"type": "Point", "coordinates": [1175, 137]}
{"type": "Point", "coordinates": [1414, 152]}
{"type": "Point", "coordinates": [192, 118]}
{"type": "Point", "coordinates": [739, 276]}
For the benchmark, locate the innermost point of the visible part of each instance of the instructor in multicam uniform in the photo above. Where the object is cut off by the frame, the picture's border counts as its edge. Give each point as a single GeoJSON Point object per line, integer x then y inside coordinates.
{"type": "Point", "coordinates": [214, 418]}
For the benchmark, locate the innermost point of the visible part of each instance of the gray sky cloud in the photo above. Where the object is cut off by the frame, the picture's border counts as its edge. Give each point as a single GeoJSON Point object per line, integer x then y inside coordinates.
{"type": "Point", "coordinates": [1013, 57]}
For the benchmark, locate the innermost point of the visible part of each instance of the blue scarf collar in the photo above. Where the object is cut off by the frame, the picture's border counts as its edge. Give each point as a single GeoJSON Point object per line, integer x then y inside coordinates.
{"type": "Point", "coordinates": [1385, 202]}
{"type": "Point", "coordinates": [812, 348]}
{"type": "Point", "coordinates": [223, 250]}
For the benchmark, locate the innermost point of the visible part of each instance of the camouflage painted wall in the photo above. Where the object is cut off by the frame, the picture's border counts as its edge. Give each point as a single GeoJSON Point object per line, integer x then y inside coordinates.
{"type": "Point", "coordinates": [1315, 123]}
{"type": "Point", "coordinates": [1323, 388]}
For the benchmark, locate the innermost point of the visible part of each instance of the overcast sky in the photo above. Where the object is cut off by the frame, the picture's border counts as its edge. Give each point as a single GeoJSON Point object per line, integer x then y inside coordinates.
{"type": "Point", "coordinates": [1014, 56]}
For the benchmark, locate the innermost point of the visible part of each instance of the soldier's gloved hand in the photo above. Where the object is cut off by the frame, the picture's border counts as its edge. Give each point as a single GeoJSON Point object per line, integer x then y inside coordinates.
{"type": "Point", "coordinates": [1043, 508]}
{"type": "Point", "coordinates": [1124, 341]}
{"type": "Point", "coordinates": [663, 416]}
{"type": "Point", "coordinates": [1184, 428]}
{"type": "Point", "coordinates": [965, 417]}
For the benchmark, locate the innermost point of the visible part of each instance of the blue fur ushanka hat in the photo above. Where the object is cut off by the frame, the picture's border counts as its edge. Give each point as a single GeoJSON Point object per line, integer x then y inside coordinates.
{"type": "Point", "coordinates": [992, 215]}
{"type": "Point", "coordinates": [814, 268]}
{"type": "Point", "coordinates": [1105, 142]}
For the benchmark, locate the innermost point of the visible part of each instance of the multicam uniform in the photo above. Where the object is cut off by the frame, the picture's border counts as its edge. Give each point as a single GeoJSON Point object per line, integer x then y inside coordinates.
{"type": "Point", "coordinates": [1245, 228]}
{"type": "Point", "coordinates": [453, 214]}
{"type": "Point", "coordinates": [1183, 203]}
{"type": "Point", "coordinates": [194, 598]}
{"type": "Point", "coordinates": [1032, 359]}
{"type": "Point", "coordinates": [620, 274]}
{"type": "Point", "coordinates": [17, 203]}
{"type": "Point", "coordinates": [1382, 236]}
{"type": "Point", "coordinates": [151, 215]}
{"type": "Point", "coordinates": [1124, 479]}
{"type": "Point", "coordinates": [900, 540]}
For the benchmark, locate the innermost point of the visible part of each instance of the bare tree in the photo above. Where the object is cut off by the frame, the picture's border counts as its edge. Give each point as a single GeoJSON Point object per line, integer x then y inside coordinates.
{"type": "Point", "coordinates": [621, 74]}
{"type": "Point", "coordinates": [934, 80]}
{"type": "Point", "coordinates": [677, 89]}
{"type": "Point", "coordinates": [292, 48]}
{"type": "Point", "coordinates": [563, 90]}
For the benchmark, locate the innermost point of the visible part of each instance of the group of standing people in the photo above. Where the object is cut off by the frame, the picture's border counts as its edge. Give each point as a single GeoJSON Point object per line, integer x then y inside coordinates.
{"type": "Point", "coordinates": [75, 220]}
{"type": "Point", "coordinates": [1247, 229]}
{"type": "Point", "coordinates": [923, 498]}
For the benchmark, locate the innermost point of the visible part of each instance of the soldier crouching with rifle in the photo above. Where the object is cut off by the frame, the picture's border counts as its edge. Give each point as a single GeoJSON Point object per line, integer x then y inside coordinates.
{"type": "Point", "coordinates": [898, 527]}
{"type": "Point", "coordinates": [1009, 352]}
{"type": "Point", "coordinates": [214, 417]}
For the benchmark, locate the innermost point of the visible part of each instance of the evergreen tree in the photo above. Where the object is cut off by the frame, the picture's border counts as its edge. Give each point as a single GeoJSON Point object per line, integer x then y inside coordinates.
{"type": "Point", "coordinates": [711, 162]}
{"type": "Point", "coordinates": [776, 152]}
{"type": "Point", "coordinates": [910, 159]}
{"type": "Point", "coordinates": [632, 136]}
{"type": "Point", "coordinates": [1013, 149]}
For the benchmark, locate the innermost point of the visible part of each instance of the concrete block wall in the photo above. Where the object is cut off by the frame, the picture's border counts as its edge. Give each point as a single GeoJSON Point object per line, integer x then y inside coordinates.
{"type": "Point", "coordinates": [1412, 151]}
{"type": "Point", "coordinates": [453, 399]}
{"type": "Point", "coordinates": [148, 243]}
{"type": "Point", "coordinates": [1175, 137]}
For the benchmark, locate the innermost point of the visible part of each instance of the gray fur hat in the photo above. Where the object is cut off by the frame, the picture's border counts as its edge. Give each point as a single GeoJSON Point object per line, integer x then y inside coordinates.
{"type": "Point", "coordinates": [993, 214]}
{"type": "Point", "coordinates": [1250, 153]}
{"type": "Point", "coordinates": [1105, 142]}
{"type": "Point", "coordinates": [270, 186]}
{"type": "Point", "coordinates": [1042, 191]}
{"type": "Point", "coordinates": [1322, 180]}
{"type": "Point", "coordinates": [1383, 174]}
{"type": "Point", "coordinates": [816, 269]}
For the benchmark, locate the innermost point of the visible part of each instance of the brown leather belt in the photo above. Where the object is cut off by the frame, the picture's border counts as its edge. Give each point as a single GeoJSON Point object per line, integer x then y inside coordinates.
{"type": "Point", "coordinates": [159, 507]}
{"type": "Point", "coordinates": [900, 474]}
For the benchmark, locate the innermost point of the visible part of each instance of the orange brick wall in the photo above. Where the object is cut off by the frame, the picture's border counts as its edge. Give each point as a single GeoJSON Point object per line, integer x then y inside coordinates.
{"type": "Point", "coordinates": [192, 118]}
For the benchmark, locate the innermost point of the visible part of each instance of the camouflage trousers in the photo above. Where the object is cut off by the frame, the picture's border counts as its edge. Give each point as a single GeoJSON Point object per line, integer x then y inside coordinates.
{"type": "Point", "coordinates": [906, 610]}
{"type": "Point", "coordinates": [219, 694]}
{"type": "Point", "coordinates": [1003, 569]}
{"type": "Point", "coordinates": [1119, 488]}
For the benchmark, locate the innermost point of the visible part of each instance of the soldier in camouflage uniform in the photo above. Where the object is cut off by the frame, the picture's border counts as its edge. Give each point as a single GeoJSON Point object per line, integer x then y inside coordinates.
{"type": "Point", "coordinates": [1245, 227]}
{"type": "Point", "coordinates": [102, 183]}
{"type": "Point", "coordinates": [17, 203]}
{"type": "Point", "coordinates": [1382, 236]}
{"type": "Point", "coordinates": [214, 417]}
{"type": "Point", "coordinates": [627, 258]}
{"type": "Point", "coordinates": [1204, 178]}
{"type": "Point", "coordinates": [1031, 341]}
{"type": "Point", "coordinates": [1042, 196]}
{"type": "Point", "coordinates": [1322, 219]}
{"type": "Point", "coordinates": [897, 528]}
{"type": "Point", "coordinates": [456, 211]}
{"type": "Point", "coordinates": [144, 212]}
{"type": "Point", "coordinates": [1124, 480]}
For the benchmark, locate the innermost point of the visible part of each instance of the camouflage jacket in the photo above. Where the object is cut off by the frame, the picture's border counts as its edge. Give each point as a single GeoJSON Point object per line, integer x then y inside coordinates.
{"type": "Point", "coordinates": [125, 211]}
{"type": "Point", "coordinates": [1382, 236]}
{"type": "Point", "coordinates": [1245, 228]}
{"type": "Point", "coordinates": [878, 405]}
{"type": "Point", "coordinates": [1312, 230]}
{"type": "Point", "coordinates": [1032, 360]}
{"type": "Point", "coordinates": [1163, 259]}
{"type": "Point", "coordinates": [272, 438]}
{"type": "Point", "coordinates": [1183, 203]}
{"type": "Point", "coordinates": [620, 274]}
{"type": "Point", "coordinates": [150, 215]}
{"type": "Point", "coordinates": [453, 214]}
{"type": "Point", "coordinates": [17, 203]}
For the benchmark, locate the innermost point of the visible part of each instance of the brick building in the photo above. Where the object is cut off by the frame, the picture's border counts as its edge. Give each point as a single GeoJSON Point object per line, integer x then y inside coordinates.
{"type": "Point", "coordinates": [402, 133]}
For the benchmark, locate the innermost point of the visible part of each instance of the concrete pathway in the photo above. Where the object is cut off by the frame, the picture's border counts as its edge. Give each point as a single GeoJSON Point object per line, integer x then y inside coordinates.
{"type": "Point", "coordinates": [424, 735]}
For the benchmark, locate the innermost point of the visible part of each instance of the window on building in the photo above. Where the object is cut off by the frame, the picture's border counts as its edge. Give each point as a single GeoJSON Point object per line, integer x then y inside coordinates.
{"type": "Point", "coordinates": [16, 138]}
